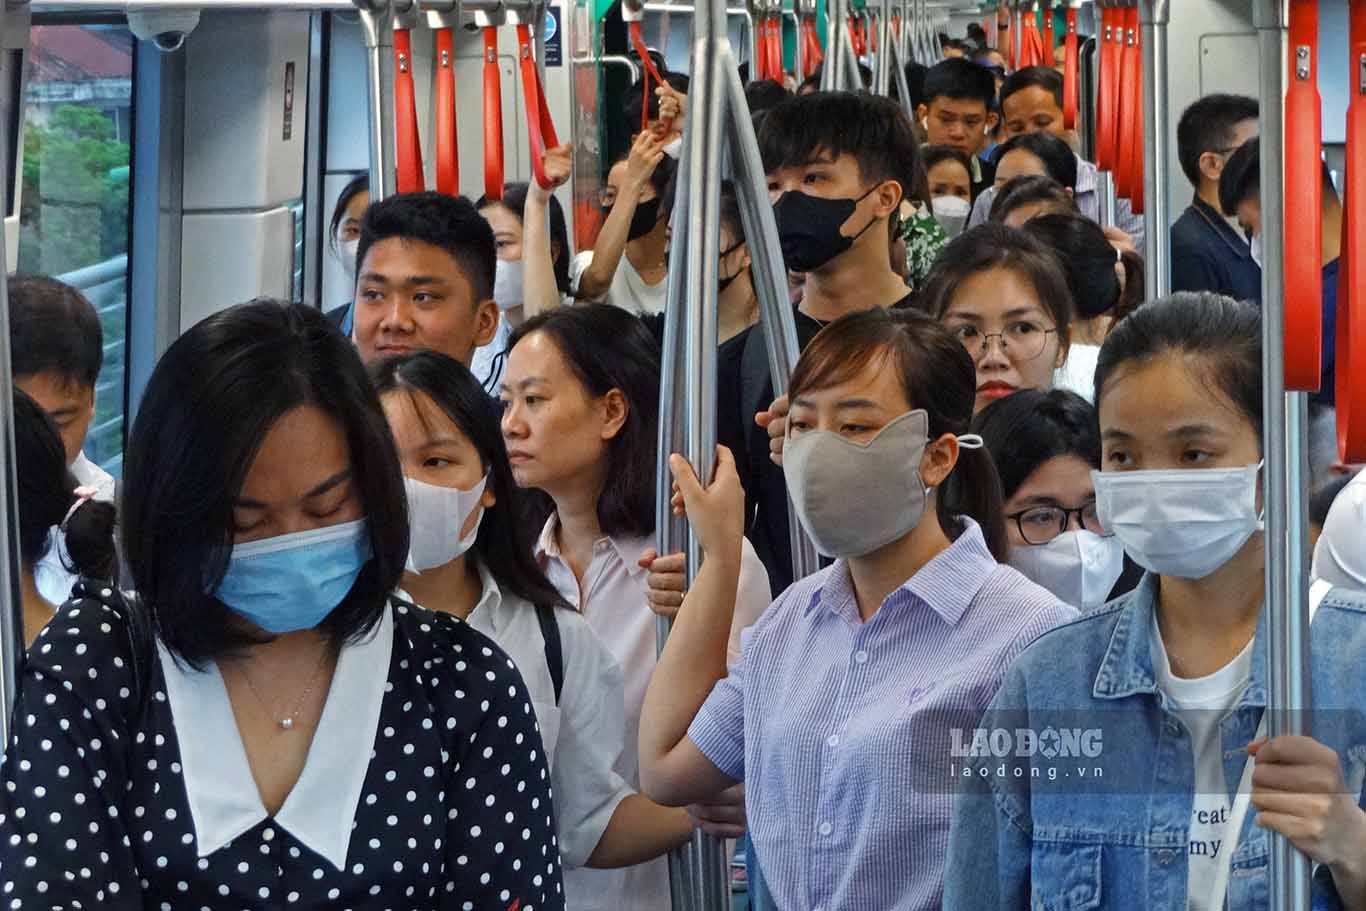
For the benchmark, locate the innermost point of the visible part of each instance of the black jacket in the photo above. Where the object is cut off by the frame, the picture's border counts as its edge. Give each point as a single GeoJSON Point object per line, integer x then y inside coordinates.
{"type": "Point", "coordinates": [1208, 254]}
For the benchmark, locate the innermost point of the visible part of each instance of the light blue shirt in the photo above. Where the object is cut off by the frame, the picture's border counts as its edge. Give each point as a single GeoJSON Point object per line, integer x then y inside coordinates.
{"type": "Point", "coordinates": [835, 724]}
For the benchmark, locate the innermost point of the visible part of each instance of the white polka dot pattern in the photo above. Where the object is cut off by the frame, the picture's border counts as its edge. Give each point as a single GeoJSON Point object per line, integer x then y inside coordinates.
{"type": "Point", "coordinates": [456, 811]}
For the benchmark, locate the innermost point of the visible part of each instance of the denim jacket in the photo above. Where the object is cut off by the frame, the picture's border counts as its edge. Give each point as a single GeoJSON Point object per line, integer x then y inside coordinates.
{"type": "Point", "coordinates": [1096, 814]}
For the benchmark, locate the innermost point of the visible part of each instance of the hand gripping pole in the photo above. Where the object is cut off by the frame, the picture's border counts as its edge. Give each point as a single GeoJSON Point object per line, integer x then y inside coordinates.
{"type": "Point", "coordinates": [1303, 238]}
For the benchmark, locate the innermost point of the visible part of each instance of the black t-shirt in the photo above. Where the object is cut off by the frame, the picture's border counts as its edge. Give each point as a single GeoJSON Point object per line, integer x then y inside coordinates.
{"type": "Point", "coordinates": [743, 389]}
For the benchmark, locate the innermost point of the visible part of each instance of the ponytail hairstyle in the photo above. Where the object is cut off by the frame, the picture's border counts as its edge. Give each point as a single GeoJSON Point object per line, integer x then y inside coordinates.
{"type": "Point", "coordinates": [1135, 288]}
{"type": "Point", "coordinates": [938, 376]}
{"type": "Point", "coordinates": [47, 493]}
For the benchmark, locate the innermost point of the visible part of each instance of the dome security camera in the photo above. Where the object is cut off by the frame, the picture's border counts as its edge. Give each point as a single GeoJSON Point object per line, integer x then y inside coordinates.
{"type": "Point", "coordinates": [164, 28]}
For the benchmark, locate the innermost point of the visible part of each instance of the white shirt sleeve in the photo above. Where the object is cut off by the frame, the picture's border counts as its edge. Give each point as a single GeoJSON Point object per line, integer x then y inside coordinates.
{"type": "Point", "coordinates": [752, 598]}
{"type": "Point", "coordinates": [577, 266]}
{"type": "Point", "coordinates": [590, 740]}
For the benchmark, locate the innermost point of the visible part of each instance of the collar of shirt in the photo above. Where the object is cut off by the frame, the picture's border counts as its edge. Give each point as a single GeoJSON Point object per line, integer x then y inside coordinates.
{"type": "Point", "coordinates": [1127, 666]}
{"type": "Point", "coordinates": [224, 801]}
{"type": "Point", "coordinates": [947, 584]}
{"type": "Point", "coordinates": [491, 602]}
{"type": "Point", "coordinates": [629, 550]}
{"type": "Point", "coordinates": [1231, 237]}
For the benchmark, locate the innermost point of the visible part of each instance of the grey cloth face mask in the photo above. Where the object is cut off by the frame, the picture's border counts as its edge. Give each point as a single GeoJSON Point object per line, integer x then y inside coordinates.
{"type": "Point", "coordinates": [854, 498]}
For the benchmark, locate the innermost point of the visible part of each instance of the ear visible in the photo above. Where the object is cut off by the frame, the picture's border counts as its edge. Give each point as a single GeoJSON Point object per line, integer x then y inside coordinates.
{"type": "Point", "coordinates": [993, 121]}
{"type": "Point", "coordinates": [485, 323]}
{"type": "Point", "coordinates": [1211, 166]}
{"type": "Point", "coordinates": [922, 111]}
{"type": "Point", "coordinates": [888, 196]}
{"type": "Point", "coordinates": [939, 458]}
{"type": "Point", "coordinates": [615, 409]}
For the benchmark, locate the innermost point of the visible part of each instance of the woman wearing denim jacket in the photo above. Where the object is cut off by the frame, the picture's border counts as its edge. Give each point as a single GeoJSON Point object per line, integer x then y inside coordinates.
{"type": "Point", "coordinates": [1105, 773]}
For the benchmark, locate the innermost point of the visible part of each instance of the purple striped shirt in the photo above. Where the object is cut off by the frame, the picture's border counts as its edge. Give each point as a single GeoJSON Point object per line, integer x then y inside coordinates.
{"type": "Point", "coordinates": [823, 715]}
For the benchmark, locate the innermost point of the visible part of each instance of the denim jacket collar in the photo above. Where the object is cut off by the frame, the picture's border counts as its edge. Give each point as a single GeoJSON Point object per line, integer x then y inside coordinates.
{"type": "Point", "coordinates": [1127, 666]}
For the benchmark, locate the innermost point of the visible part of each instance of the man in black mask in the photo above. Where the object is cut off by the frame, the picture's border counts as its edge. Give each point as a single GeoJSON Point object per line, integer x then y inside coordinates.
{"type": "Point", "coordinates": [837, 167]}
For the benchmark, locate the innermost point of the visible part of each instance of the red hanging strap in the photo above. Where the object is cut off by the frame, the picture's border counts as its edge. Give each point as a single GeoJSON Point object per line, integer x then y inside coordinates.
{"type": "Point", "coordinates": [812, 56]}
{"type": "Point", "coordinates": [1069, 72]}
{"type": "Point", "coordinates": [775, 49]}
{"type": "Point", "coordinates": [493, 117]}
{"type": "Point", "coordinates": [650, 72]}
{"type": "Point", "coordinates": [540, 128]}
{"type": "Point", "coordinates": [407, 144]}
{"type": "Point", "coordinates": [1138, 197]}
{"type": "Point", "coordinates": [1049, 39]}
{"type": "Point", "coordinates": [1126, 142]}
{"type": "Point", "coordinates": [1350, 395]}
{"type": "Point", "coordinates": [447, 145]}
{"type": "Point", "coordinates": [1303, 237]}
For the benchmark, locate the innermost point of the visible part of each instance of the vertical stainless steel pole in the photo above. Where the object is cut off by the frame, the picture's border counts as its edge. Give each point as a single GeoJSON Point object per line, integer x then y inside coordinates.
{"type": "Point", "coordinates": [1153, 16]}
{"type": "Point", "coordinates": [11, 597]}
{"type": "Point", "coordinates": [1285, 419]}
{"type": "Point", "coordinates": [853, 78]}
{"type": "Point", "coordinates": [377, 22]}
{"type": "Point", "coordinates": [882, 81]}
{"type": "Point", "coordinates": [832, 70]}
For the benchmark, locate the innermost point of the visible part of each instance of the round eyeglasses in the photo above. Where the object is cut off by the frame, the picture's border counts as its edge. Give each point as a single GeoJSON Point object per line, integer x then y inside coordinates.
{"type": "Point", "coordinates": [1022, 340]}
{"type": "Point", "coordinates": [1041, 524]}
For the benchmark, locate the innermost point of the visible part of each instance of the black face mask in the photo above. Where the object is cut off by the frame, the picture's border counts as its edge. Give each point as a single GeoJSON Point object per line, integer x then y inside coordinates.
{"type": "Point", "coordinates": [809, 228]}
{"type": "Point", "coordinates": [725, 281]}
{"type": "Point", "coordinates": [644, 219]}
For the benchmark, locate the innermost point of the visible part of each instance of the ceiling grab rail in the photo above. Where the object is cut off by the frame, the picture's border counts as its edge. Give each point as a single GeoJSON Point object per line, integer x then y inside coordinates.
{"type": "Point", "coordinates": [407, 140]}
{"type": "Point", "coordinates": [377, 26]}
{"type": "Point", "coordinates": [1285, 422]}
{"type": "Point", "coordinates": [1350, 381]}
{"type": "Point", "coordinates": [1304, 184]}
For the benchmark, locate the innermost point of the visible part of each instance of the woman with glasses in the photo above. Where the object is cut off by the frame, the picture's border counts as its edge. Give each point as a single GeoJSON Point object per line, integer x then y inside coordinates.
{"type": "Point", "coordinates": [1045, 446]}
{"type": "Point", "coordinates": [1004, 296]}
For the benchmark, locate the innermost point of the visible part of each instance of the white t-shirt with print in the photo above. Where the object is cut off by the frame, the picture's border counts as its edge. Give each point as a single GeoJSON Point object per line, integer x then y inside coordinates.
{"type": "Point", "coordinates": [1203, 703]}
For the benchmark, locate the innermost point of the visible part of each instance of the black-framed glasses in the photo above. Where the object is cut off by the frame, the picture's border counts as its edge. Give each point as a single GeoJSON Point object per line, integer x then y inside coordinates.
{"type": "Point", "coordinates": [1041, 524]}
{"type": "Point", "coordinates": [1022, 340]}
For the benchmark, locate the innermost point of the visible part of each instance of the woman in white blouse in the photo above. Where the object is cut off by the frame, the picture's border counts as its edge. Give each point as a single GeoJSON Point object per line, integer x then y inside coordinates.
{"type": "Point", "coordinates": [470, 556]}
{"type": "Point", "coordinates": [581, 398]}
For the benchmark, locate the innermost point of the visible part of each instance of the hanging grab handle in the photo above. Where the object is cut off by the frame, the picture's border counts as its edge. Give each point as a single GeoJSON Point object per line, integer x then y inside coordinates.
{"type": "Point", "coordinates": [408, 151]}
{"type": "Point", "coordinates": [1137, 199]}
{"type": "Point", "coordinates": [447, 144]}
{"type": "Point", "coordinates": [540, 129]}
{"type": "Point", "coordinates": [493, 117]}
{"type": "Point", "coordinates": [1069, 72]}
{"type": "Point", "coordinates": [1130, 107]}
{"type": "Point", "coordinates": [775, 49]}
{"type": "Point", "coordinates": [649, 72]}
{"type": "Point", "coordinates": [1107, 93]}
{"type": "Point", "coordinates": [1049, 39]}
{"type": "Point", "coordinates": [1303, 237]}
{"type": "Point", "coordinates": [1350, 396]}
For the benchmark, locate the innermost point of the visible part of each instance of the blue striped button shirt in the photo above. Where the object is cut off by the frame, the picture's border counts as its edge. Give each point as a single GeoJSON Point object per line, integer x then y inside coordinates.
{"type": "Point", "coordinates": [840, 728]}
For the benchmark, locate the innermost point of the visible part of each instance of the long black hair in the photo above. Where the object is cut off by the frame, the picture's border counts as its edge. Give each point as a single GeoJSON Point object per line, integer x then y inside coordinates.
{"type": "Point", "coordinates": [504, 543]}
{"type": "Point", "coordinates": [212, 398]}
{"type": "Point", "coordinates": [47, 491]}
{"type": "Point", "coordinates": [938, 375]}
{"type": "Point", "coordinates": [607, 348]}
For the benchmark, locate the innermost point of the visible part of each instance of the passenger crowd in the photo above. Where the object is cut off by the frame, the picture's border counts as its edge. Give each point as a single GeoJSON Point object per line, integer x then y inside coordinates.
{"type": "Point", "coordinates": [369, 619]}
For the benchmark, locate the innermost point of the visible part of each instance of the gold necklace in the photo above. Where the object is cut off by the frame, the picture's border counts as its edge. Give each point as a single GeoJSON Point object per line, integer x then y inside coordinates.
{"type": "Point", "coordinates": [287, 723]}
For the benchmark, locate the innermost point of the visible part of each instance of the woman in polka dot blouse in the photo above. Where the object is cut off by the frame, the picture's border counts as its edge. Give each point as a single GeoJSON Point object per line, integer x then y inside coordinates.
{"type": "Point", "coordinates": [264, 725]}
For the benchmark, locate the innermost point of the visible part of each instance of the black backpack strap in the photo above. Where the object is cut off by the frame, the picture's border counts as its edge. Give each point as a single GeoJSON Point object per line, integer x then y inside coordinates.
{"type": "Point", "coordinates": [554, 652]}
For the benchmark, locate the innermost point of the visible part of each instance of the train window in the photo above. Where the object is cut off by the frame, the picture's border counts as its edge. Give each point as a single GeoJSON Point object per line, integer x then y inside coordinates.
{"type": "Point", "coordinates": [74, 206]}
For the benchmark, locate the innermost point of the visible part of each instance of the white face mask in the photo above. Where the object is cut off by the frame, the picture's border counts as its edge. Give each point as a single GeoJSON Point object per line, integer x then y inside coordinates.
{"type": "Point", "coordinates": [507, 284]}
{"type": "Point", "coordinates": [1256, 249]}
{"type": "Point", "coordinates": [1080, 567]}
{"type": "Point", "coordinates": [436, 515]}
{"type": "Point", "coordinates": [1182, 522]}
{"type": "Point", "coordinates": [951, 212]}
{"type": "Point", "coordinates": [347, 251]}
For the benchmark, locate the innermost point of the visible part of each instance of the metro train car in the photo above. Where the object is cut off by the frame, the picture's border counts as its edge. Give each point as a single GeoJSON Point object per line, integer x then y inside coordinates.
{"type": "Point", "coordinates": [632, 455]}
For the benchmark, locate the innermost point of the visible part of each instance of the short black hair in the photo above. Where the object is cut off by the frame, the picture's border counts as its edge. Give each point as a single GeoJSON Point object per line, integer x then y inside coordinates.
{"type": "Point", "coordinates": [1088, 260]}
{"type": "Point", "coordinates": [635, 95]}
{"type": "Point", "coordinates": [1057, 156]}
{"type": "Point", "coordinates": [764, 94]}
{"type": "Point", "coordinates": [505, 543]}
{"type": "Point", "coordinates": [514, 200]}
{"type": "Point", "coordinates": [1027, 190]}
{"type": "Point", "coordinates": [960, 79]}
{"type": "Point", "coordinates": [875, 131]}
{"type": "Point", "coordinates": [451, 223]}
{"type": "Point", "coordinates": [1208, 126]}
{"type": "Point", "coordinates": [209, 404]}
{"type": "Point", "coordinates": [994, 246]}
{"type": "Point", "coordinates": [1043, 77]}
{"type": "Point", "coordinates": [1029, 427]}
{"type": "Point", "coordinates": [1241, 178]}
{"type": "Point", "coordinates": [607, 348]}
{"type": "Point", "coordinates": [934, 154]}
{"type": "Point", "coordinates": [53, 329]}
{"type": "Point", "coordinates": [354, 187]}
{"type": "Point", "coordinates": [47, 491]}
{"type": "Point", "coordinates": [1224, 334]}
{"type": "Point", "coordinates": [1321, 500]}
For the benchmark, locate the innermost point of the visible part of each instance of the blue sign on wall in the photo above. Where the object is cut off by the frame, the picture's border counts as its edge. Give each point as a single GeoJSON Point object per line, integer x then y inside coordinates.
{"type": "Point", "coordinates": [553, 33]}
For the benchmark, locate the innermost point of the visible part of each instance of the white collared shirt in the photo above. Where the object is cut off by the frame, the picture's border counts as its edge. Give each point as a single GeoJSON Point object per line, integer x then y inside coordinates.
{"type": "Point", "coordinates": [584, 734]}
{"type": "Point", "coordinates": [50, 574]}
{"type": "Point", "coordinates": [613, 601]}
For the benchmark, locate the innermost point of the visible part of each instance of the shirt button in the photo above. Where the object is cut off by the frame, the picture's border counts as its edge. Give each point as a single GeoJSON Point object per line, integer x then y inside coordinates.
{"type": "Point", "coordinates": [826, 828]}
{"type": "Point", "coordinates": [861, 656]}
{"type": "Point", "coordinates": [833, 740]}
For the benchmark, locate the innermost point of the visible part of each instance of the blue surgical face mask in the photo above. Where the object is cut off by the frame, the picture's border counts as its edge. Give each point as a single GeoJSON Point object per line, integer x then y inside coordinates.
{"type": "Point", "coordinates": [292, 582]}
